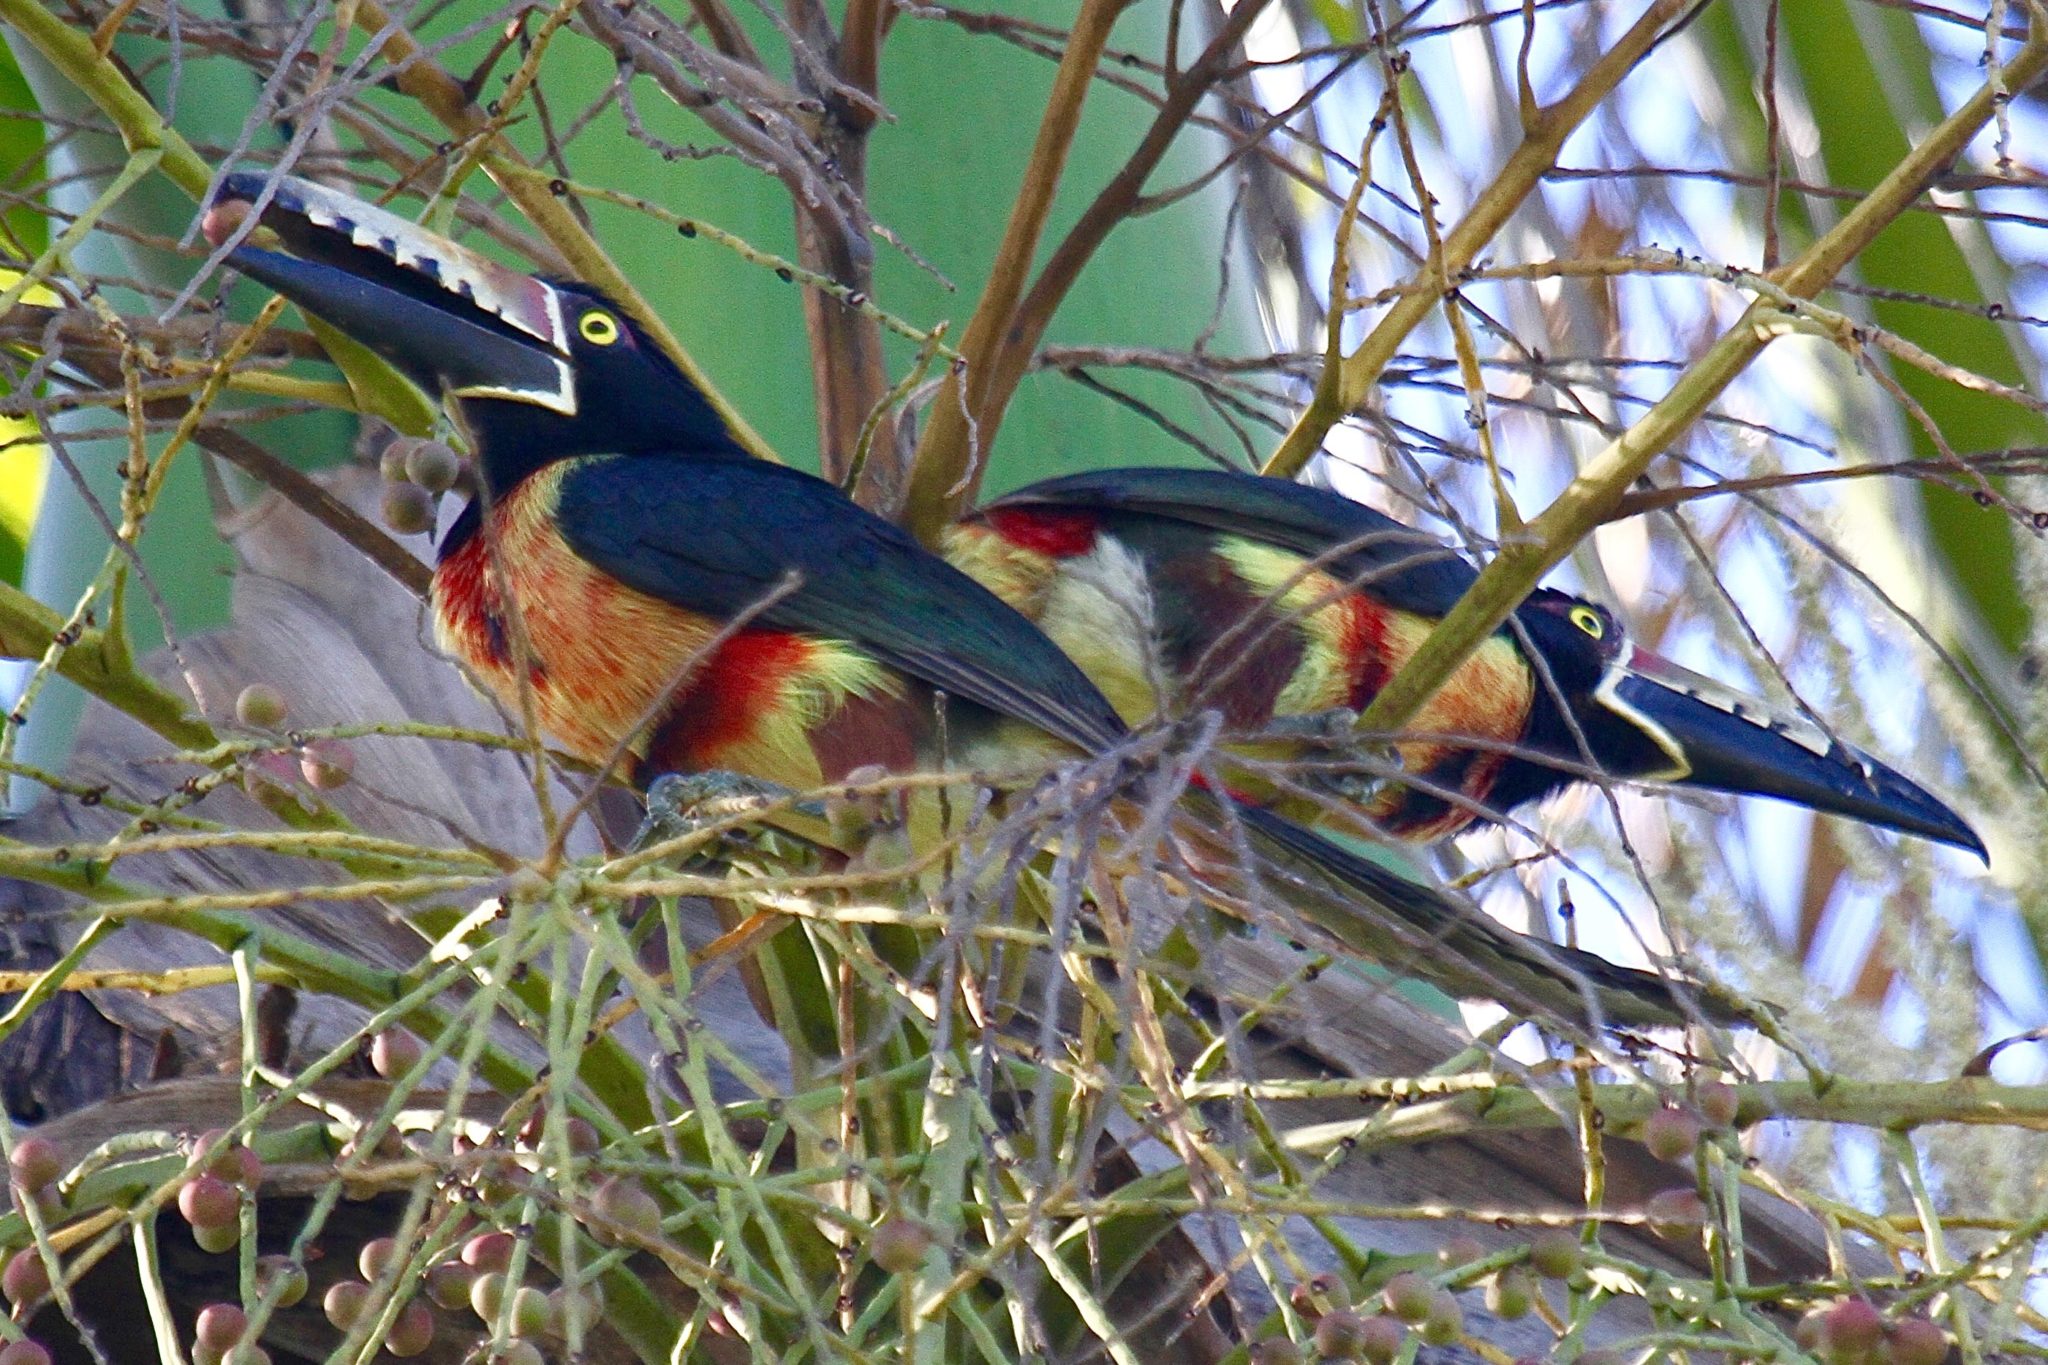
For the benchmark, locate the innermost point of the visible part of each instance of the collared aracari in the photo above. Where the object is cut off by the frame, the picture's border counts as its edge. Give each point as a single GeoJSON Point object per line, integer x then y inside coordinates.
{"type": "Point", "coordinates": [1277, 602]}
{"type": "Point", "coordinates": [627, 559]}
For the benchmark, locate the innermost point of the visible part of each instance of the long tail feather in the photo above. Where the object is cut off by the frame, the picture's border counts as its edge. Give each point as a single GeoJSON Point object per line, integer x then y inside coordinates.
{"type": "Point", "coordinates": [1420, 931]}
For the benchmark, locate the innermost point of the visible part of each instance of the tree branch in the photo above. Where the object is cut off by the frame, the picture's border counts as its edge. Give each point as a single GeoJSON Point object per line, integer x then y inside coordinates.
{"type": "Point", "coordinates": [1600, 486]}
{"type": "Point", "coordinates": [942, 471]}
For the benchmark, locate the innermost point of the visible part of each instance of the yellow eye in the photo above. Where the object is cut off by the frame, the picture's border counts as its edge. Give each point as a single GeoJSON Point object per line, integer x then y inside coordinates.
{"type": "Point", "coordinates": [598, 327]}
{"type": "Point", "coordinates": [1588, 620]}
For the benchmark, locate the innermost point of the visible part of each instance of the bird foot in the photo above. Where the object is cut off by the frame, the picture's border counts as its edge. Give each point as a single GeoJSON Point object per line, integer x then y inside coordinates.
{"type": "Point", "coordinates": [682, 803]}
{"type": "Point", "coordinates": [1352, 786]}
{"type": "Point", "coordinates": [1337, 726]}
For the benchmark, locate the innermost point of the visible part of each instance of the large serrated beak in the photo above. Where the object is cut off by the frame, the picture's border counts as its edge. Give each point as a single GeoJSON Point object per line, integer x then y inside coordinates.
{"type": "Point", "coordinates": [450, 319]}
{"type": "Point", "coordinates": [1722, 740]}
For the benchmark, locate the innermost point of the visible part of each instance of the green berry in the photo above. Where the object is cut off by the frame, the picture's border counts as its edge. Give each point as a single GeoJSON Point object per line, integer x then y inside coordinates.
{"type": "Point", "coordinates": [217, 1240]}
{"type": "Point", "coordinates": [626, 1211]}
{"type": "Point", "coordinates": [1462, 1249]}
{"type": "Point", "coordinates": [1671, 1134]}
{"type": "Point", "coordinates": [284, 1272]}
{"type": "Point", "coordinates": [898, 1245]}
{"type": "Point", "coordinates": [1556, 1253]}
{"type": "Point", "coordinates": [261, 706]}
{"type": "Point", "coordinates": [1408, 1296]}
{"type": "Point", "coordinates": [408, 509]}
{"type": "Point", "coordinates": [449, 1282]}
{"type": "Point", "coordinates": [1381, 1340]}
{"type": "Point", "coordinates": [432, 466]}
{"type": "Point", "coordinates": [1511, 1293]}
{"type": "Point", "coordinates": [392, 459]}
{"type": "Point", "coordinates": [561, 1303]}
{"type": "Point", "coordinates": [1446, 1320]}
{"type": "Point", "coordinates": [1340, 1334]}
{"type": "Point", "coordinates": [1675, 1213]}
{"type": "Point", "coordinates": [531, 1311]}
{"type": "Point", "coordinates": [487, 1295]}
{"type": "Point", "coordinates": [1720, 1103]}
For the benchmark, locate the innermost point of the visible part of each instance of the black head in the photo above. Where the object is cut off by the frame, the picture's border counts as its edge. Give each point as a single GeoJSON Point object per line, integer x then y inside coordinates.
{"type": "Point", "coordinates": [1636, 716]}
{"type": "Point", "coordinates": [539, 370]}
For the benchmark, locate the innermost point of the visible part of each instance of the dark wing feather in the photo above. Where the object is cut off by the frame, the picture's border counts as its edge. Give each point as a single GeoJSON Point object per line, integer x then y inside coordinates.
{"type": "Point", "coordinates": [1399, 564]}
{"type": "Point", "coordinates": [717, 536]}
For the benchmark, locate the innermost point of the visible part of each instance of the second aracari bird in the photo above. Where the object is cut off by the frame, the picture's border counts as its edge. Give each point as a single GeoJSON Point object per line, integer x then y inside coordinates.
{"type": "Point", "coordinates": [1287, 607]}
{"type": "Point", "coordinates": [623, 534]}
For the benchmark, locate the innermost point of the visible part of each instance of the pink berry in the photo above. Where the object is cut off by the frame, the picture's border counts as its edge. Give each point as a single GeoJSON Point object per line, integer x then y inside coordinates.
{"type": "Point", "coordinates": [27, 1351]}
{"type": "Point", "coordinates": [207, 1201]}
{"type": "Point", "coordinates": [345, 1303]}
{"type": "Point", "coordinates": [1313, 1295]}
{"type": "Point", "coordinates": [326, 764]}
{"type": "Point", "coordinates": [393, 1053]}
{"type": "Point", "coordinates": [413, 1332]}
{"type": "Point", "coordinates": [35, 1163]}
{"type": "Point", "coordinates": [1671, 1134]}
{"type": "Point", "coordinates": [377, 1257]}
{"type": "Point", "coordinates": [220, 1326]}
{"type": "Point", "coordinates": [26, 1279]}
{"type": "Point", "coordinates": [488, 1251]}
{"type": "Point", "coordinates": [1853, 1327]}
{"type": "Point", "coordinates": [224, 219]}
{"type": "Point", "coordinates": [1915, 1341]}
